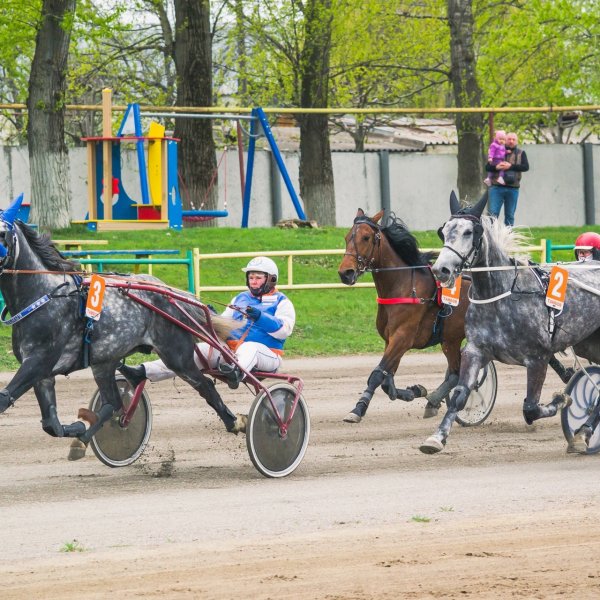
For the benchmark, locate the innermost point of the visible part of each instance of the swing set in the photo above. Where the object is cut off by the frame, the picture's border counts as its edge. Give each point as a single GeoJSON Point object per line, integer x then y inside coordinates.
{"type": "Point", "coordinates": [161, 205]}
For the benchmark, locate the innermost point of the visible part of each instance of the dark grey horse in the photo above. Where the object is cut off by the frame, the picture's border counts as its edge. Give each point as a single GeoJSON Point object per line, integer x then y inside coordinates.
{"type": "Point", "coordinates": [44, 294]}
{"type": "Point", "coordinates": [507, 319]}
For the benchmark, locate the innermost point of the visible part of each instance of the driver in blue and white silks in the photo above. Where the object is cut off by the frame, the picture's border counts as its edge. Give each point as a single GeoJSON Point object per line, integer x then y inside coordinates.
{"type": "Point", "coordinates": [267, 318]}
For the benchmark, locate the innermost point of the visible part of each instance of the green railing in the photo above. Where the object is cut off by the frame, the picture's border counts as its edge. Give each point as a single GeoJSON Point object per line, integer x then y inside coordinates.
{"type": "Point", "coordinates": [550, 247]}
{"type": "Point", "coordinates": [188, 262]}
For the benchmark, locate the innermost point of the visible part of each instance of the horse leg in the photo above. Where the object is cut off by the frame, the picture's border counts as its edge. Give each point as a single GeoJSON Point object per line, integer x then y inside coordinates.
{"type": "Point", "coordinates": [375, 379]}
{"type": "Point", "coordinates": [532, 409]}
{"type": "Point", "coordinates": [471, 363]}
{"type": "Point", "coordinates": [565, 373]}
{"type": "Point", "coordinates": [45, 393]}
{"type": "Point", "coordinates": [206, 388]}
{"type": "Point", "coordinates": [452, 352]}
{"type": "Point", "coordinates": [34, 369]}
{"type": "Point", "coordinates": [104, 375]}
{"type": "Point", "coordinates": [434, 399]}
{"type": "Point", "coordinates": [383, 375]}
{"type": "Point", "coordinates": [183, 364]}
{"type": "Point", "coordinates": [582, 436]}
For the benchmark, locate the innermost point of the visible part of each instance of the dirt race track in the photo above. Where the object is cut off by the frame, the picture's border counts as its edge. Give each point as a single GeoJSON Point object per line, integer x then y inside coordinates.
{"type": "Point", "coordinates": [503, 512]}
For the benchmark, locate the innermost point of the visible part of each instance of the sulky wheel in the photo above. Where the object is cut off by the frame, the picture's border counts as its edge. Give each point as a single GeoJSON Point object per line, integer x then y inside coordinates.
{"type": "Point", "coordinates": [271, 453]}
{"type": "Point", "coordinates": [584, 397]}
{"type": "Point", "coordinates": [118, 446]}
{"type": "Point", "coordinates": [481, 399]}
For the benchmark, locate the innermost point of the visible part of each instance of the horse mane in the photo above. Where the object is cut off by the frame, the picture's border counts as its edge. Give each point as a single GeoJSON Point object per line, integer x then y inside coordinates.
{"type": "Point", "coordinates": [42, 246]}
{"type": "Point", "coordinates": [509, 240]}
{"type": "Point", "coordinates": [404, 242]}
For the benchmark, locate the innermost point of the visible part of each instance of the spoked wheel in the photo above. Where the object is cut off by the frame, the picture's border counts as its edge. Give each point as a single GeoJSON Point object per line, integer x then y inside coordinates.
{"type": "Point", "coordinates": [481, 399]}
{"type": "Point", "coordinates": [116, 445]}
{"type": "Point", "coordinates": [274, 454]}
{"type": "Point", "coordinates": [584, 397]}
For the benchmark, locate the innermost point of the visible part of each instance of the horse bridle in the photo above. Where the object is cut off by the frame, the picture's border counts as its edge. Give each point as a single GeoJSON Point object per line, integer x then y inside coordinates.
{"type": "Point", "coordinates": [364, 263]}
{"type": "Point", "coordinates": [9, 258]}
{"type": "Point", "coordinates": [466, 261]}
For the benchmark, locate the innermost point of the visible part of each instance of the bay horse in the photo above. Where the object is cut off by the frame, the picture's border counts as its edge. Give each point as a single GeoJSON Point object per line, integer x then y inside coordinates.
{"type": "Point", "coordinates": [508, 319]}
{"type": "Point", "coordinates": [408, 312]}
{"type": "Point", "coordinates": [44, 294]}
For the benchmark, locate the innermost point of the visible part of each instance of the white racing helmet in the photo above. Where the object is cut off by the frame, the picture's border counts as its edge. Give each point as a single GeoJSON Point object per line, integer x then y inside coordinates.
{"type": "Point", "coordinates": [262, 264]}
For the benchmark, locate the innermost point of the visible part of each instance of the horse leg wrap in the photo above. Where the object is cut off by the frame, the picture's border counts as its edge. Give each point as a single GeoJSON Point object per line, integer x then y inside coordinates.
{"type": "Point", "coordinates": [459, 398]}
{"type": "Point", "coordinates": [104, 414]}
{"type": "Point", "coordinates": [51, 425]}
{"type": "Point", "coordinates": [374, 381]}
{"type": "Point", "coordinates": [565, 373]}
{"type": "Point", "coordinates": [436, 397]}
{"type": "Point", "coordinates": [531, 411]}
{"type": "Point", "coordinates": [6, 401]}
{"type": "Point", "coordinates": [409, 394]}
{"type": "Point", "coordinates": [74, 429]}
{"type": "Point", "coordinates": [418, 390]}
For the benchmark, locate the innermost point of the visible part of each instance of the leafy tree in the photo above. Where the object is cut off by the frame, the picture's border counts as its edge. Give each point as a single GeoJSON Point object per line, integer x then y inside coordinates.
{"type": "Point", "coordinates": [537, 53]}
{"type": "Point", "coordinates": [467, 93]}
{"type": "Point", "coordinates": [193, 60]}
{"type": "Point", "coordinates": [288, 64]}
{"type": "Point", "coordinates": [48, 158]}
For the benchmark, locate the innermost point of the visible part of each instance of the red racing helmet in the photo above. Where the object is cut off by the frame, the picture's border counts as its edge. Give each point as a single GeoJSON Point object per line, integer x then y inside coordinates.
{"type": "Point", "coordinates": [590, 240]}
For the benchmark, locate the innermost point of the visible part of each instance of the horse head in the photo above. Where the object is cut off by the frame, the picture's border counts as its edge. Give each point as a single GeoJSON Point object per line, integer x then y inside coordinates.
{"type": "Point", "coordinates": [7, 220]}
{"type": "Point", "coordinates": [462, 236]}
{"type": "Point", "coordinates": [362, 242]}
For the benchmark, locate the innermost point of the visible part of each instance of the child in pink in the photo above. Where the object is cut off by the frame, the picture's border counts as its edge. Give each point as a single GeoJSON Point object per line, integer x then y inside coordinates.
{"type": "Point", "coordinates": [497, 154]}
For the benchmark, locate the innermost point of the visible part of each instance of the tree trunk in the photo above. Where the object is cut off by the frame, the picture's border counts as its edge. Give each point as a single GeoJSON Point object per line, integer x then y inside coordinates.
{"type": "Point", "coordinates": [470, 127]}
{"type": "Point", "coordinates": [48, 155]}
{"type": "Point", "coordinates": [193, 62]}
{"type": "Point", "coordinates": [316, 171]}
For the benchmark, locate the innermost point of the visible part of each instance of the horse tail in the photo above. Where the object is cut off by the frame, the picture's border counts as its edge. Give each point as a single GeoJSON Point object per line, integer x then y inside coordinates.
{"type": "Point", "coordinates": [224, 326]}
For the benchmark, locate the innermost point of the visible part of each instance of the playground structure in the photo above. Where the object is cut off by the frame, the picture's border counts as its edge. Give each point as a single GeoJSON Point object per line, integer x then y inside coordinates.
{"type": "Point", "coordinates": [110, 207]}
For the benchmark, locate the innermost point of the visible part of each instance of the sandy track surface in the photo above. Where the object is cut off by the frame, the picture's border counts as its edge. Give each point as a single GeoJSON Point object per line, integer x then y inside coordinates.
{"type": "Point", "coordinates": [503, 512]}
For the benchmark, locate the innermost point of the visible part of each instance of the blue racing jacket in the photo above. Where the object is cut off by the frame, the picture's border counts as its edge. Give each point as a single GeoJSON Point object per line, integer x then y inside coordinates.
{"type": "Point", "coordinates": [274, 325]}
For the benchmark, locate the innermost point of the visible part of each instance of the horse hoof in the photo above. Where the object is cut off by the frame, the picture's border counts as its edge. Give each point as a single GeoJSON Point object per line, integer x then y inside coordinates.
{"type": "Point", "coordinates": [561, 400]}
{"type": "Point", "coordinates": [418, 390]}
{"type": "Point", "coordinates": [580, 442]}
{"type": "Point", "coordinates": [352, 418]}
{"type": "Point", "coordinates": [431, 446]}
{"type": "Point", "coordinates": [430, 411]}
{"type": "Point", "coordinates": [77, 450]}
{"type": "Point", "coordinates": [240, 424]}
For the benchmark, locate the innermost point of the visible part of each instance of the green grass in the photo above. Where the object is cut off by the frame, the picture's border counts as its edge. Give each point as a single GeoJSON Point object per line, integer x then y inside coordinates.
{"type": "Point", "coordinates": [421, 519]}
{"type": "Point", "coordinates": [73, 546]}
{"type": "Point", "coordinates": [329, 322]}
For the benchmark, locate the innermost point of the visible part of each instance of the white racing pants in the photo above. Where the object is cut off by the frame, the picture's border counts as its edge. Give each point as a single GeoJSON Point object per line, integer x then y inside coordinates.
{"type": "Point", "coordinates": [250, 355]}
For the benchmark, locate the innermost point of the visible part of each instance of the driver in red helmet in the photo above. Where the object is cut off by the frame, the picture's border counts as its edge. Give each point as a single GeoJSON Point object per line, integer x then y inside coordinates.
{"type": "Point", "coordinates": [267, 317]}
{"type": "Point", "coordinates": [587, 246]}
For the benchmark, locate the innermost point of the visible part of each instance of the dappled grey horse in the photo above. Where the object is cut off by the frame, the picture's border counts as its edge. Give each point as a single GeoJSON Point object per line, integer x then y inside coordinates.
{"type": "Point", "coordinates": [507, 319]}
{"type": "Point", "coordinates": [45, 295]}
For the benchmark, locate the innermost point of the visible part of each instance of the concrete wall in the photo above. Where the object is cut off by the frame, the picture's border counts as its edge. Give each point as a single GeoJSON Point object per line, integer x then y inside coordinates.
{"type": "Point", "coordinates": [552, 192]}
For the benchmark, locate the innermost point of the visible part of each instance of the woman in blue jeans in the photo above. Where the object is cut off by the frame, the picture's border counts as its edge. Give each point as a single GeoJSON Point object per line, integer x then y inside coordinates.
{"type": "Point", "coordinates": [507, 195]}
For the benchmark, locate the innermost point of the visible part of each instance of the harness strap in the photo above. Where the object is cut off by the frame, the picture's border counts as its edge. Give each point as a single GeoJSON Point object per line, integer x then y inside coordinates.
{"type": "Point", "coordinates": [488, 300]}
{"type": "Point", "coordinates": [399, 301]}
{"type": "Point", "coordinates": [25, 312]}
{"type": "Point", "coordinates": [29, 309]}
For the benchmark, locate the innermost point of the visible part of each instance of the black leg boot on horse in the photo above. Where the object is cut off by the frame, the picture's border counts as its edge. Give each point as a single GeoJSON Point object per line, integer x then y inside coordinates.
{"type": "Point", "coordinates": [380, 377]}
{"type": "Point", "coordinates": [532, 409]}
